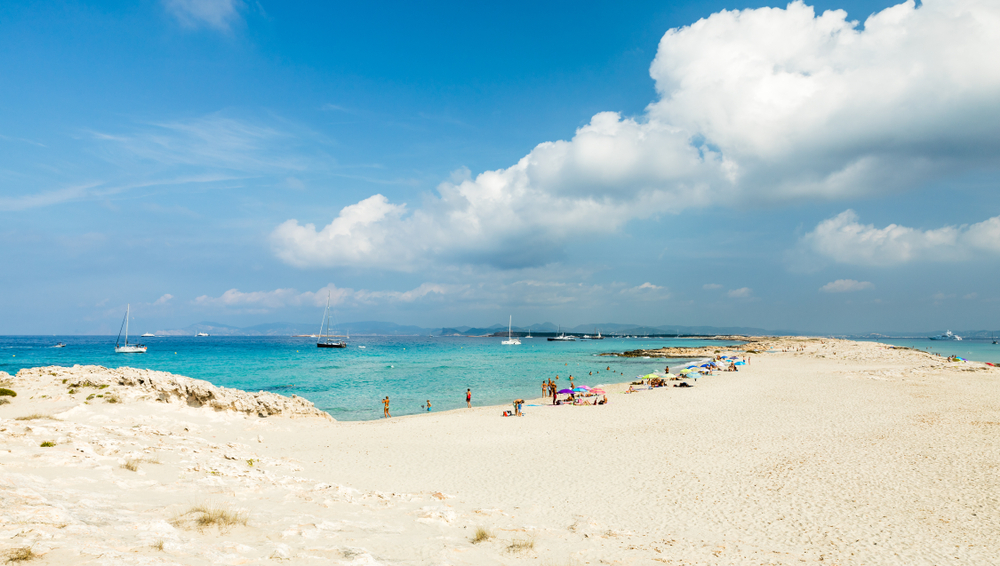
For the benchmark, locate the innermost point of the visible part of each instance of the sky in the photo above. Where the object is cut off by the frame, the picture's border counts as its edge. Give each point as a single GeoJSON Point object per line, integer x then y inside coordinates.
{"type": "Point", "coordinates": [826, 167]}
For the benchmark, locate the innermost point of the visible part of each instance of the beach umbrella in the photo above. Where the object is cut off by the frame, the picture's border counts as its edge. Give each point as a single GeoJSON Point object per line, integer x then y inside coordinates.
{"type": "Point", "coordinates": [705, 365]}
{"type": "Point", "coordinates": [598, 391]}
{"type": "Point", "coordinates": [579, 390]}
{"type": "Point", "coordinates": [650, 376]}
{"type": "Point", "coordinates": [584, 387]}
{"type": "Point", "coordinates": [670, 376]}
{"type": "Point", "coordinates": [686, 370]}
{"type": "Point", "coordinates": [565, 391]}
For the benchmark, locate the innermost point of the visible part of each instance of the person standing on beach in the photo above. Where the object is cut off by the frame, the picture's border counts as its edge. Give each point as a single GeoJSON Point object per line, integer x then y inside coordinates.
{"type": "Point", "coordinates": [545, 389]}
{"type": "Point", "coordinates": [385, 408]}
{"type": "Point", "coordinates": [468, 398]}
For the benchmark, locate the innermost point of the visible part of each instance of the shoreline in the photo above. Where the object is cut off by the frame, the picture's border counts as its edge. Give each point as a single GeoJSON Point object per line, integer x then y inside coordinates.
{"type": "Point", "coordinates": [845, 453]}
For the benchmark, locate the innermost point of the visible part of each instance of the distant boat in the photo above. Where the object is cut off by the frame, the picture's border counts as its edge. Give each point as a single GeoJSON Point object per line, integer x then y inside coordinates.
{"type": "Point", "coordinates": [127, 348]}
{"type": "Point", "coordinates": [61, 345]}
{"type": "Point", "coordinates": [562, 337]}
{"type": "Point", "coordinates": [530, 336]}
{"type": "Point", "coordinates": [510, 341]}
{"type": "Point", "coordinates": [149, 335]}
{"type": "Point", "coordinates": [329, 342]}
{"type": "Point", "coordinates": [946, 336]}
{"type": "Point", "coordinates": [200, 334]}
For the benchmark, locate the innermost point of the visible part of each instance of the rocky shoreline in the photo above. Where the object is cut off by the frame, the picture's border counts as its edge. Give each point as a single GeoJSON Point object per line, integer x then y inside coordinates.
{"type": "Point", "coordinates": [88, 384]}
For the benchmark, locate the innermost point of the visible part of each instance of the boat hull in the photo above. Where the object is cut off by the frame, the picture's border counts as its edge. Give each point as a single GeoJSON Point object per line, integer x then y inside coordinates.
{"type": "Point", "coordinates": [130, 349]}
{"type": "Point", "coordinates": [332, 345]}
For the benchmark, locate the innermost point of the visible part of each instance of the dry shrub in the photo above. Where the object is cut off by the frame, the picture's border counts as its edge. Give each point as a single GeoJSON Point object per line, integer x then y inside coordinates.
{"type": "Point", "coordinates": [7, 392]}
{"type": "Point", "coordinates": [158, 545]}
{"type": "Point", "coordinates": [482, 535]}
{"type": "Point", "coordinates": [36, 416]}
{"type": "Point", "coordinates": [47, 444]}
{"type": "Point", "coordinates": [4, 400]}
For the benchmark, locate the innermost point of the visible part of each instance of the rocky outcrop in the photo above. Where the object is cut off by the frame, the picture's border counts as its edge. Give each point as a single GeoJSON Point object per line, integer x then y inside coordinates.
{"type": "Point", "coordinates": [127, 384]}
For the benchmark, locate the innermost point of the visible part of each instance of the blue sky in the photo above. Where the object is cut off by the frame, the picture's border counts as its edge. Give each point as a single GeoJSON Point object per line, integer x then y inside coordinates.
{"type": "Point", "coordinates": [691, 163]}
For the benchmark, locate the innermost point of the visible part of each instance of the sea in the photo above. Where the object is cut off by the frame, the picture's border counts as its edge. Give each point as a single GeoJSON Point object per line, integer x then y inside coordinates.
{"type": "Point", "coordinates": [974, 350]}
{"type": "Point", "coordinates": [349, 383]}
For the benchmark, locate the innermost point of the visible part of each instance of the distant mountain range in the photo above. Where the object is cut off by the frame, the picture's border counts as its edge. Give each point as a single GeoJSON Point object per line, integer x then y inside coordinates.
{"type": "Point", "coordinates": [545, 328]}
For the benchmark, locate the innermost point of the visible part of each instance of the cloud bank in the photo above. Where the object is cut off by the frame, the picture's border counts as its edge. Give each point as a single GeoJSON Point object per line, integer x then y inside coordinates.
{"type": "Point", "coordinates": [761, 105]}
{"type": "Point", "coordinates": [845, 240]}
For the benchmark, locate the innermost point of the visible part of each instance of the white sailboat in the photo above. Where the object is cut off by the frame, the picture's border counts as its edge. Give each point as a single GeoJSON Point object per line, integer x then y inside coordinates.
{"type": "Point", "coordinates": [562, 337]}
{"type": "Point", "coordinates": [510, 341]}
{"type": "Point", "coordinates": [127, 348]}
{"type": "Point", "coordinates": [328, 343]}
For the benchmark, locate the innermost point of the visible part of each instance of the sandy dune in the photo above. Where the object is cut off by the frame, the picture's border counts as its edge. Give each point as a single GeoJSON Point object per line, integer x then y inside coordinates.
{"type": "Point", "coordinates": [846, 453]}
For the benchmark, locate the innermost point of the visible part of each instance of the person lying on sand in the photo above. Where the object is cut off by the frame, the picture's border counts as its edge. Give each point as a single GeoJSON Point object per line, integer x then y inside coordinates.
{"type": "Point", "coordinates": [682, 384]}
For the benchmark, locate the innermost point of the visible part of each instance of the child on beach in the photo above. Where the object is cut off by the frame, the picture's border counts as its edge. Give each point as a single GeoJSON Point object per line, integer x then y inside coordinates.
{"type": "Point", "coordinates": [428, 405]}
{"type": "Point", "coordinates": [468, 398]}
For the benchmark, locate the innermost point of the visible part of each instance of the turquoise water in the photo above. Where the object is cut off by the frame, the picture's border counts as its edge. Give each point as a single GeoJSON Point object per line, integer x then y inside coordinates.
{"type": "Point", "coordinates": [349, 383]}
{"type": "Point", "coordinates": [975, 350]}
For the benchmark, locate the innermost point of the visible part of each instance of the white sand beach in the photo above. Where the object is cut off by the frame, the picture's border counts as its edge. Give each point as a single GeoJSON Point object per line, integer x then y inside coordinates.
{"type": "Point", "coordinates": [845, 453]}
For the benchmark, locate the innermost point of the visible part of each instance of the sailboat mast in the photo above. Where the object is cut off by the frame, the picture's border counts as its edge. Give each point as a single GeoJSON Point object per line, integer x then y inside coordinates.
{"type": "Point", "coordinates": [325, 313]}
{"type": "Point", "coordinates": [509, 320]}
{"type": "Point", "coordinates": [127, 307]}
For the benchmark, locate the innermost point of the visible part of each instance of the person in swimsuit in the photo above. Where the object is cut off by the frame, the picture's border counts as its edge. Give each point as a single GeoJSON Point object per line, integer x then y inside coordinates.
{"type": "Point", "coordinates": [385, 408]}
{"type": "Point", "coordinates": [468, 398]}
{"type": "Point", "coordinates": [428, 405]}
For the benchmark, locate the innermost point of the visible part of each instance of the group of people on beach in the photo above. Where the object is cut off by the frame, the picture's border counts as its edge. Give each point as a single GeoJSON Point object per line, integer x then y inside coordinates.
{"type": "Point", "coordinates": [427, 406]}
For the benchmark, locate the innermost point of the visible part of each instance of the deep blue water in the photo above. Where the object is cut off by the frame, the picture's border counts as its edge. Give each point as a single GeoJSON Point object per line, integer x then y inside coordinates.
{"type": "Point", "coordinates": [348, 383]}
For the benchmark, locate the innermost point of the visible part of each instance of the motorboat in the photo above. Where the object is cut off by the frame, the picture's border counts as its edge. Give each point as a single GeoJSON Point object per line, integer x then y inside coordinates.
{"type": "Point", "coordinates": [61, 345]}
{"type": "Point", "coordinates": [946, 336]}
{"type": "Point", "coordinates": [510, 341]}
{"type": "Point", "coordinates": [149, 335]}
{"type": "Point", "coordinates": [127, 348]}
{"type": "Point", "coordinates": [562, 337]}
{"type": "Point", "coordinates": [201, 334]}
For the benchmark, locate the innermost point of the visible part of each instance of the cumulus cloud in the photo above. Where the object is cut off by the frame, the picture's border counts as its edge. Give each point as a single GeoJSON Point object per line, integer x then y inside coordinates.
{"type": "Point", "coordinates": [845, 240]}
{"type": "Point", "coordinates": [218, 14]}
{"type": "Point", "coordinates": [761, 104]}
{"type": "Point", "coordinates": [741, 293]}
{"type": "Point", "coordinates": [846, 286]}
{"type": "Point", "coordinates": [163, 300]}
{"type": "Point", "coordinates": [710, 286]}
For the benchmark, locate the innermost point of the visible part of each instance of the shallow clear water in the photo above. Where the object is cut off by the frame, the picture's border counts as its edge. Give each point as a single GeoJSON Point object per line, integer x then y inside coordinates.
{"type": "Point", "coordinates": [349, 383]}
{"type": "Point", "coordinates": [975, 350]}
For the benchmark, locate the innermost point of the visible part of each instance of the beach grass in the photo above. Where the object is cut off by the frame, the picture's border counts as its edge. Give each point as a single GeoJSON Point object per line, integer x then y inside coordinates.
{"type": "Point", "coordinates": [519, 545]}
{"type": "Point", "coordinates": [22, 554]}
{"type": "Point", "coordinates": [482, 535]}
{"type": "Point", "coordinates": [212, 515]}
{"type": "Point", "coordinates": [4, 392]}
{"type": "Point", "coordinates": [36, 416]}
{"type": "Point", "coordinates": [4, 400]}
{"type": "Point", "coordinates": [47, 444]}
{"type": "Point", "coordinates": [158, 545]}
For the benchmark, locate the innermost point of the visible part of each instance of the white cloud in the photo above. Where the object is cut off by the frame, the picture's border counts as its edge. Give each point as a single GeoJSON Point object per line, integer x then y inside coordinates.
{"type": "Point", "coordinates": [219, 14]}
{"type": "Point", "coordinates": [280, 298]}
{"type": "Point", "coordinates": [845, 240]}
{"type": "Point", "coordinates": [163, 300]}
{"type": "Point", "coordinates": [846, 286]}
{"type": "Point", "coordinates": [741, 293]}
{"type": "Point", "coordinates": [711, 286]}
{"type": "Point", "coordinates": [764, 105]}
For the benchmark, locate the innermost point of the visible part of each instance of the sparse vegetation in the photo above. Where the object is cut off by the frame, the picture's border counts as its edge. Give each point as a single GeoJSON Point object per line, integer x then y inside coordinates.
{"type": "Point", "coordinates": [223, 518]}
{"type": "Point", "coordinates": [4, 400]}
{"type": "Point", "coordinates": [521, 545]}
{"type": "Point", "coordinates": [22, 554]}
{"type": "Point", "coordinates": [4, 392]}
{"type": "Point", "coordinates": [47, 444]}
{"type": "Point", "coordinates": [72, 391]}
{"type": "Point", "coordinates": [91, 396]}
{"type": "Point", "coordinates": [250, 462]}
{"type": "Point", "coordinates": [64, 380]}
{"type": "Point", "coordinates": [112, 399]}
{"type": "Point", "coordinates": [482, 535]}
{"type": "Point", "coordinates": [158, 545]}
{"type": "Point", "coordinates": [132, 464]}
{"type": "Point", "coordinates": [36, 416]}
